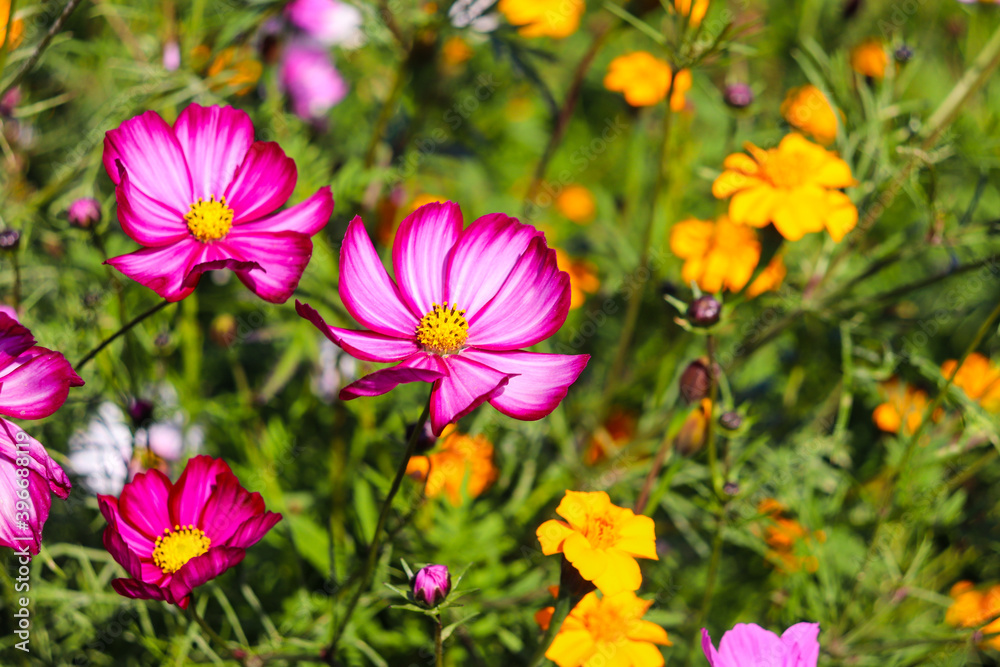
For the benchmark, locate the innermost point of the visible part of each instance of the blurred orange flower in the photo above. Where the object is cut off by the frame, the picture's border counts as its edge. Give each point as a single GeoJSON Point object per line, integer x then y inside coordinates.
{"type": "Point", "coordinates": [788, 540]}
{"type": "Point", "coordinates": [904, 407]}
{"type": "Point", "coordinates": [455, 51]}
{"type": "Point", "coordinates": [807, 109]}
{"type": "Point", "coordinates": [617, 431]}
{"type": "Point", "coordinates": [543, 18]}
{"type": "Point", "coordinates": [769, 279]}
{"type": "Point", "coordinates": [577, 204]}
{"type": "Point", "coordinates": [696, 14]}
{"type": "Point", "coordinates": [869, 58]}
{"type": "Point", "coordinates": [600, 540]}
{"type": "Point", "coordinates": [979, 378]}
{"type": "Point", "coordinates": [16, 27]}
{"type": "Point", "coordinates": [242, 70]}
{"type": "Point", "coordinates": [609, 626]}
{"type": "Point", "coordinates": [973, 608]}
{"type": "Point", "coordinates": [582, 277]}
{"type": "Point", "coordinates": [795, 186]}
{"type": "Point", "coordinates": [460, 460]}
{"type": "Point", "coordinates": [543, 617]}
{"type": "Point", "coordinates": [645, 79]}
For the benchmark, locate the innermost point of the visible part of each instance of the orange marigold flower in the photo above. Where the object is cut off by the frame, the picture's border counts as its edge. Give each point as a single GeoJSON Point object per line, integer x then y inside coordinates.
{"type": "Point", "coordinates": [869, 58]}
{"type": "Point", "coordinates": [695, 14]}
{"type": "Point", "coordinates": [807, 109]}
{"type": "Point", "coordinates": [577, 204]}
{"type": "Point", "coordinates": [716, 254]}
{"type": "Point", "coordinates": [242, 69]}
{"type": "Point", "coordinates": [979, 378]}
{"type": "Point", "coordinates": [16, 27]}
{"type": "Point", "coordinates": [769, 279]}
{"type": "Point", "coordinates": [795, 186]}
{"type": "Point", "coordinates": [599, 627]}
{"type": "Point", "coordinates": [789, 542]}
{"type": "Point", "coordinates": [600, 540]}
{"type": "Point", "coordinates": [973, 608]}
{"type": "Point", "coordinates": [582, 277]}
{"type": "Point", "coordinates": [461, 460]}
{"type": "Point", "coordinates": [904, 407]}
{"type": "Point", "coordinates": [645, 79]}
{"type": "Point", "coordinates": [617, 431]}
{"type": "Point", "coordinates": [543, 18]}
{"type": "Point", "coordinates": [455, 51]}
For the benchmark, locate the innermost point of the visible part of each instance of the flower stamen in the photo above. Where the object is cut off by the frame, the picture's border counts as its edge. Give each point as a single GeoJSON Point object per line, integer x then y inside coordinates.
{"type": "Point", "coordinates": [176, 547]}
{"type": "Point", "coordinates": [443, 330]}
{"type": "Point", "coordinates": [209, 220]}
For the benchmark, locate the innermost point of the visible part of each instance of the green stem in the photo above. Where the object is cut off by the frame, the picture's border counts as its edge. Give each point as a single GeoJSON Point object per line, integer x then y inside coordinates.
{"type": "Point", "coordinates": [124, 329]}
{"type": "Point", "coordinates": [661, 456]}
{"type": "Point", "coordinates": [213, 635]}
{"type": "Point", "coordinates": [713, 386]}
{"type": "Point", "coordinates": [438, 644]}
{"type": "Point", "coordinates": [369, 567]}
{"type": "Point", "coordinates": [386, 113]}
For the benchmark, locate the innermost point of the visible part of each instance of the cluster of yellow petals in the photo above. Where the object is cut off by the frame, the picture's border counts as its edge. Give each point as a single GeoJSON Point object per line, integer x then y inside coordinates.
{"type": "Point", "coordinates": [974, 608]}
{"type": "Point", "coordinates": [616, 432]}
{"type": "Point", "coordinates": [722, 255]}
{"type": "Point", "coordinates": [807, 109]}
{"type": "Point", "coordinates": [979, 378]}
{"type": "Point", "coordinates": [695, 10]}
{"type": "Point", "coordinates": [577, 204]}
{"type": "Point", "coordinates": [582, 277]}
{"type": "Point", "coordinates": [600, 540]}
{"type": "Point", "coordinates": [609, 631]}
{"type": "Point", "coordinates": [869, 58]}
{"type": "Point", "coordinates": [794, 186]}
{"type": "Point", "coordinates": [789, 542]}
{"type": "Point", "coordinates": [461, 461]}
{"type": "Point", "coordinates": [543, 18]}
{"type": "Point", "coordinates": [904, 408]}
{"type": "Point", "coordinates": [645, 79]}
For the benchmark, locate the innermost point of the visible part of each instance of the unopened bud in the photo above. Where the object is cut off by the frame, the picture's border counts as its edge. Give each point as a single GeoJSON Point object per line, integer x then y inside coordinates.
{"type": "Point", "coordinates": [691, 437]}
{"type": "Point", "coordinates": [84, 213]}
{"type": "Point", "coordinates": [738, 95]}
{"type": "Point", "coordinates": [704, 311]}
{"type": "Point", "coordinates": [140, 411]}
{"type": "Point", "coordinates": [731, 420]}
{"type": "Point", "coordinates": [432, 585]}
{"type": "Point", "coordinates": [903, 54]}
{"type": "Point", "coordinates": [696, 382]}
{"type": "Point", "coordinates": [10, 239]}
{"type": "Point", "coordinates": [731, 488]}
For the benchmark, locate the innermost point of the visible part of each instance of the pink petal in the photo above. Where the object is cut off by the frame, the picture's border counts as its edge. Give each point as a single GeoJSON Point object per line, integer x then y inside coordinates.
{"type": "Point", "coordinates": [201, 570]}
{"type": "Point", "coordinates": [264, 182]}
{"type": "Point", "coordinates": [15, 339]}
{"type": "Point", "coordinates": [468, 385]}
{"type": "Point", "coordinates": [148, 148]}
{"type": "Point", "coordinates": [115, 545]}
{"type": "Point", "coordinates": [236, 265]}
{"type": "Point", "coordinates": [283, 257]}
{"type": "Point", "coordinates": [138, 590]}
{"type": "Point", "coordinates": [307, 217]}
{"type": "Point", "coordinates": [368, 293]}
{"type": "Point", "coordinates": [363, 345]}
{"type": "Point", "coordinates": [193, 489]}
{"type": "Point", "coordinates": [539, 382]}
{"type": "Point", "coordinates": [751, 645]}
{"type": "Point", "coordinates": [530, 307]}
{"type": "Point", "coordinates": [710, 653]}
{"type": "Point", "coordinates": [228, 507]}
{"type": "Point", "coordinates": [495, 241]}
{"type": "Point", "coordinates": [35, 384]}
{"type": "Point", "coordinates": [166, 270]}
{"type": "Point", "coordinates": [214, 141]}
{"type": "Point", "coordinates": [143, 504]}
{"type": "Point", "coordinates": [420, 367]}
{"type": "Point", "coordinates": [419, 253]}
{"type": "Point", "coordinates": [802, 642]}
{"type": "Point", "coordinates": [253, 530]}
{"type": "Point", "coordinates": [146, 220]}
{"type": "Point", "coordinates": [136, 542]}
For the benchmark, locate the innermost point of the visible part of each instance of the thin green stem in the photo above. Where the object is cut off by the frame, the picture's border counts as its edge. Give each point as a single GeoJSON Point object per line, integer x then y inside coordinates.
{"type": "Point", "coordinates": [713, 390]}
{"type": "Point", "coordinates": [124, 329]}
{"type": "Point", "coordinates": [386, 113]}
{"type": "Point", "coordinates": [33, 59]}
{"type": "Point", "coordinates": [213, 635]}
{"type": "Point", "coordinates": [654, 471]}
{"type": "Point", "coordinates": [438, 644]}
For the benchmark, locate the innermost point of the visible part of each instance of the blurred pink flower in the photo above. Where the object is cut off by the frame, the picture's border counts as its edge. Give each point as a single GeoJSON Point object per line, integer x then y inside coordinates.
{"type": "Point", "coordinates": [84, 212]}
{"type": "Point", "coordinates": [465, 303]}
{"type": "Point", "coordinates": [201, 195]}
{"type": "Point", "coordinates": [171, 56]}
{"type": "Point", "coordinates": [312, 82]}
{"type": "Point", "coordinates": [328, 21]}
{"type": "Point", "coordinates": [749, 644]}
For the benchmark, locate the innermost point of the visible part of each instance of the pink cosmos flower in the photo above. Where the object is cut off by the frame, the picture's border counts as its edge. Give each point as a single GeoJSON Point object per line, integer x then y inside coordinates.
{"type": "Point", "coordinates": [327, 21]}
{"type": "Point", "coordinates": [172, 538]}
{"type": "Point", "coordinates": [749, 645]}
{"type": "Point", "coordinates": [463, 304]}
{"type": "Point", "coordinates": [312, 82]}
{"type": "Point", "coordinates": [202, 195]}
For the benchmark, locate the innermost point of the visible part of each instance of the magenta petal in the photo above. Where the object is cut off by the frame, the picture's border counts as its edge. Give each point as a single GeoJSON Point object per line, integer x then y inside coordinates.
{"type": "Point", "coordinates": [196, 271]}
{"type": "Point", "coordinates": [264, 181]}
{"type": "Point", "coordinates": [214, 141]}
{"type": "Point", "coordinates": [201, 570]}
{"type": "Point", "coordinates": [282, 257]}
{"type": "Point", "coordinates": [165, 270]}
{"type": "Point", "coordinates": [802, 642]}
{"type": "Point", "coordinates": [227, 508]}
{"type": "Point", "coordinates": [530, 307]}
{"type": "Point", "coordinates": [15, 339]}
{"type": "Point", "coordinates": [419, 254]}
{"type": "Point", "coordinates": [541, 380]}
{"type": "Point", "coordinates": [136, 542]}
{"type": "Point", "coordinates": [420, 367]}
{"type": "Point", "coordinates": [468, 385]}
{"type": "Point", "coordinates": [143, 504]}
{"type": "Point", "coordinates": [36, 384]}
{"type": "Point", "coordinates": [124, 556]}
{"type": "Point", "coordinates": [710, 653]}
{"type": "Point", "coordinates": [146, 220]}
{"type": "Point", "coordinates": [148, 148]}
{"type": "Point", "coordinates": [192, 491]}
{"type": "Point", "coordinates": [253, 530]}
{"type": "Point", "coordinates": [363, 345]}
{"type": "Point", "coordinates": [750, 644]}
{"type": "Point", "coordinates": [495, 241]}
{"type": "Point", "coordinates": [139, 590]}
{"type": "Point", "coordinates": [368, 293]}
{"type": "Point", "coordinates": [307, 217]}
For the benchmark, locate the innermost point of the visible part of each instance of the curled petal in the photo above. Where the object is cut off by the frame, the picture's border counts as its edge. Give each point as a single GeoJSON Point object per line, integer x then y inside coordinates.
{"type": "Point", "coordinates": [36, 383]}
{"type": "Point", "coordinates": [363, 345]}
{"type": "Point", "coordinates": [166, 270]}
{"type": "Point", "coordinates": [201, 570]}
{"type": "Point", "coordinates": [281, 258]}
{"type": "Point", "coordinates": [419, 367]}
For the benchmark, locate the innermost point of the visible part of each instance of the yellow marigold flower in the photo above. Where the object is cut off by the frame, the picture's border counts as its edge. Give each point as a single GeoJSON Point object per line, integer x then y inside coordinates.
{"type": "Point", "coordinates": [795, 186]}
{"type": "Point", "coordinates": [904, 408]}
{"type": "Point", "coordinates": [769, 279]}
{"type": "Point", "coordinates": [609, 631]}
{"type": "Point", "coordinates": [695, 15]}
{"type": "Point", "coordinates": [16, 27]}
{"type": "Point", "coordinates": [577, 204]}
{"type": "Point", "coordinates": [972, 608]}
{"type": "Point", "coordinates": [617, 431]}
{"type": "Point", "coordinates": [600, 540]}
{"type": "Point", "coordinates": [543, 18]}
{"type": "Point", "coordinates": [582, 277]}
{"type": "Point", "coordinates": [807, 109]}
{"type": "Point", "coordinates": [789, 542]}
{"type": "Point", "coordinates": [870, 59]}
{"type": "Point", "coordinates": [645, 79]}
{"type": "Point", "coordinates": [243, 69]}
{"type": "Point", "coordinates": [461, 459]}
{"type": "Point", "coordinates": [455, 51]}
{"type": "Point", "coordinates": [978, 378]}
{"type": "Point", "coordinates": [716, 254]}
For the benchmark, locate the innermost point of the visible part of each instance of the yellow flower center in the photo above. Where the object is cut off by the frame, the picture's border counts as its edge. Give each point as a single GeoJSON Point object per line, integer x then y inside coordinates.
{"type": "Point", "coordinates": [176, 547]}
{"type": "Point", "coordinates": [209, 220]}
{"type": "Point", "coordinates": [602, 533]}
{"type": "Point", "coordinates": [443, 330]}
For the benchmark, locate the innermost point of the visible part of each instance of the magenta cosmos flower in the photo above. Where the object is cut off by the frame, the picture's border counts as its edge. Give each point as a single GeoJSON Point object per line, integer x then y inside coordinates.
{"type": "Point", "coordinates": [312, 82]}
{"type": "Point", "coordinates": [465, 303]}
{"type": "Point", "coordinates": [749, 645]}
{"type": "Point", "coordinates": [172, 538]}
{"type": "Point", "coordinates": [202, 195]}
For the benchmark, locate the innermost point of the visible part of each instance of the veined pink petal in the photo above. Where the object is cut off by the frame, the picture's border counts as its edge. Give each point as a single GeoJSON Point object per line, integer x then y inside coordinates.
{"type": "Point", "coordinates": [165, 270]}
{"type": "Point", "coordinates": [148, 148]}
{"type": "Point", "coordinates": [201, 570]}
{"type": "Point", "coordinates": [709, 649]}
{"type": "Point", "coordinates": [539, 382]}
{"type": "Point", "coordinates": [307, 217]}
{"type": "Point", "coordinates": [368, 293]}
{"type": "Point", "coordinates": [264, 181]}
{"type": "Point", "coordinates": [495, 241]}
{"type": "Point", "coordinates": [35, 384]}
{"type": "Point", "coordinates": [253, 530]}
{"type": "Point", "coordinates": [15, 339]}
{"type": "Point", "coordinates": [214, 141]}
{"type": "Point", "coordinates": [146, 220]}
{"type": "Point", "coordinates": [282, 256]}
{"type": "Point", "coordinates": [530, 307]}
{"type": "Point", "coordinates": [750, 644]}
{"type": "Point", "coordinates": [363, 345]}
{"type": "Point", "coordinates": [228, 507]}
{"type": "Point", "coordinates": [138, 543]}
{"type": "Point", "coordinates": [468, 385]}
{"type": "Point", "coordinates": [419, 254]}
{"type": "Point", "coordinates": [420, 367]}
{"type": "Point", "coordinates": [143, 504]}
{"type": "Point", "coordinates": [802, 642]}
{"type": "Point", "coordinates": [191, 492]}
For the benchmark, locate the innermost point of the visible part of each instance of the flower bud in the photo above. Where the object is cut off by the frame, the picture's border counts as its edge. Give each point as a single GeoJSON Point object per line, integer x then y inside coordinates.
{"type": "Point", "coordinates": [691, 438]}
{"type": "Point", "coordinates": [140, 411]}
{"type": "Point", "coordinates": [432, 585]}
{"type": "Point", "coordinates": [731, 488]}
{"type": "Point", "coordinates": [10, 239]}
{"type": "Point", "coordinates": [84, 213]}
{"type": "Point", "coordinates": [696, 382]}
{"type": "Point", "coordinates": [738, 95]}
{"type": "Point", "coordinates": [903, 54]}
{"type": "Point", "coordinates": [731, 420]}
{"type": "Point", "coordinates": [704, 311]}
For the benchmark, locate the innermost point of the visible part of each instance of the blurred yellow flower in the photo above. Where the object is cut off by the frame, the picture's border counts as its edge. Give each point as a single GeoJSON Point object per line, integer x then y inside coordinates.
{"type": "Point", "coordinates": [455, 51]}
{"type": "Point", "coordinates": [582, 277]}
{"type": "Point", "coordinates": [617, 431]}
{"type": "Point", "coordinates": [769, 279]}
{"type": "Point", "coordinates": [795, 186]}
{"type": "Point", "coordinates": [600, 540]}
{"type": "Point", "coordinates": [972, 608]}
{"type": "Point", "coordinates": [788, 540]}
{"type": "Point", "coordinates": [716, 254]}
{"type": "Point", "coordinates": [979, 378]}
{"type": "Point", "coordinates": [696, 14]}
{"type": "Point", "coordinates": [645, 79]}
{"type": "Point", "coordinates": [461, 459]}
{"type": "Point", "coordinates": [16, 27]}
{"type": "Point", "coordinates": [869, 58]}
{"type": "Point", "coordinates": [242, 69]}
{"type": "Point", "coordinates": [599, 627]}
{"type": "Point", "coordinates": [543, 18]}
{"type": "Point", "coordinates": [807, 109]}
{"type": "Point", "coordinates": [904, 408]}
{"type": "Point", "coordinates": [577, 204]}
